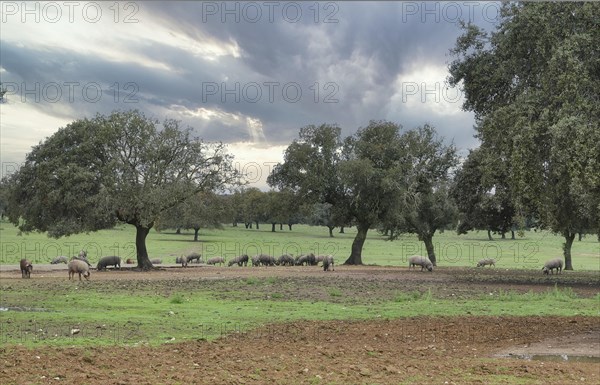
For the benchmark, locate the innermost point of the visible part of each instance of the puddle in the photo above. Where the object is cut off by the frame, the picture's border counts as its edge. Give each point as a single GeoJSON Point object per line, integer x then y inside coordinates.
{"type": "Point", "coordinates": [22, 308]}
{"type": "Point", "coordinates": [552, 357]}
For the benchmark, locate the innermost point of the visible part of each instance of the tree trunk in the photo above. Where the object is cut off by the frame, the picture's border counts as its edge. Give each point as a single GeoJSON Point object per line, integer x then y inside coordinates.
{"type": "Point", "coordinates": [140, 246]}
{"type": "Point", "coordinates": [512, 234]}
{"type": "Point", "coordinates": [196, 230]}
{"type": "Point", "coordinates": [234, 224]}
{"type": "Point", "coordinates": [256, 226]}
{"type": "Point", "coordinates": [490, 235]}
{"type": "Point", "coordinates": [273, 227]}
{"type": "Point", "coordinates": [503, 234]}
{"type": "Point", "coordinates": [580, 237]}
{"type": "Point", "coordinates": [569, 238]}
{"type": "Point", "coordinates": [355, 257]}
{"type": "Point", "coordinates": [331, 231]}
{"type": "Point", "coordinates": [178, 231]}
{"type": "Point", "coordinates": [247, 224]}
{"type": "Point", "coordinates": [428, 240]}
{"type": "Point", "coordinates": [342, 230]}
{"type": "Point", "coordinates": [290, 226]}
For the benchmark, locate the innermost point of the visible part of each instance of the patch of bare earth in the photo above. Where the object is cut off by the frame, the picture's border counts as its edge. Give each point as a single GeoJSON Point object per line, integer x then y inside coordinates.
{"type": "Point", "coordinates": [421, 350]}
{"type": "Point", "coordinates": [453, 350]}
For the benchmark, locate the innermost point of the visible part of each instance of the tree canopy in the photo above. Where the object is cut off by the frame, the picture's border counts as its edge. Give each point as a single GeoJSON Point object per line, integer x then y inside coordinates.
{"type": "Point", "coordinates": [123, 167]}
{"type": "Point", "coordinates": [366, 177]}
{"type": "Point", "coordinates": [311, 171]}
{"type": "Point", "coordinates": [310, 165]}
{"type": "Point", "coordinates": [483, 199]}
{"type": "Point", "coordinates": [533, 86]}
{"type": "Point", "coordinates": [373, 173]}
{"type": "Point", "coordinates": [426, 205]}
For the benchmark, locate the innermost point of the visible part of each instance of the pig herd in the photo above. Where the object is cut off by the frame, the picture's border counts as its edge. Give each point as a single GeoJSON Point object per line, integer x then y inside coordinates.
{"type": "Point", "coordinates": [80, 265]}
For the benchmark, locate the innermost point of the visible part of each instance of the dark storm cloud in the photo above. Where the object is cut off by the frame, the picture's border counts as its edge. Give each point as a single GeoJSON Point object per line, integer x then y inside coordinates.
{"type": "Point", "coordinates": [352, 62]}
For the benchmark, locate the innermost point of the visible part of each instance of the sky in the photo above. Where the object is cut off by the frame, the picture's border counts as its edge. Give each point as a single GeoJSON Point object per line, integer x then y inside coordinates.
{"type": "Point", "coordinates": [249, 74]}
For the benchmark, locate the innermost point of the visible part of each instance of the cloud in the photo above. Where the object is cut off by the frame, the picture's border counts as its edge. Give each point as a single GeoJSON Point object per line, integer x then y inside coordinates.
{"type": "Point", "coordinates": [238, 72]}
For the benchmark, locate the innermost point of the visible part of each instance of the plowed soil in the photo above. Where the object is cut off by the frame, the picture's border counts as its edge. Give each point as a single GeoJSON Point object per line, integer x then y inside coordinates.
{"type": "Point", "coordinates": [420, 350]}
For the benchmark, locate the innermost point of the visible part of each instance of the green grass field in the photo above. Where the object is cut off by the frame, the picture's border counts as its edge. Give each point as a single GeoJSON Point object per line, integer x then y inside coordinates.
{"type": "Point", "coordinates": [528, 252]}
{"type": "Point", "coordinates": [153, 312]}
{"type": "Point", "coordinates": [158, 311]}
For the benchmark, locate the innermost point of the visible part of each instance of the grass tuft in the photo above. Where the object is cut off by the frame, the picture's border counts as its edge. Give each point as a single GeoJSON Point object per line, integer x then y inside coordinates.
{"type": "Point", "coordinates": [565, 294]}
{"type": "Point", "coordinates": [413, 296]}
{"type": "Point", "coordinates": [177, 299]}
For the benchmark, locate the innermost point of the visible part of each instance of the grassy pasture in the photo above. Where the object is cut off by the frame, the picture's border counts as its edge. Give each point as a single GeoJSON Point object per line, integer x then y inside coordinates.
{"type": "Point", "coordinates": [528, 252]}
{"type": "Point", "coordinates": [173, 309]}
{"type": "Point", "coordinates": [155, 312]}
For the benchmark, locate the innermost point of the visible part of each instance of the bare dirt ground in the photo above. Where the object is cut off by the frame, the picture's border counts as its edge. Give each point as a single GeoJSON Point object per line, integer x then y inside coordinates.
{"type": "Point", "coordinates": [419, 350]}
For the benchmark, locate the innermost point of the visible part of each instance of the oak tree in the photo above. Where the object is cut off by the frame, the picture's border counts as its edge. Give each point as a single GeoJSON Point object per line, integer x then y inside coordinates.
{"type": "Point", "coordinates": [426, 205]}
{"type": "Point", "coordinates": [533, 86]}
{"type": "Point", "coordinates": [124, 167]}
